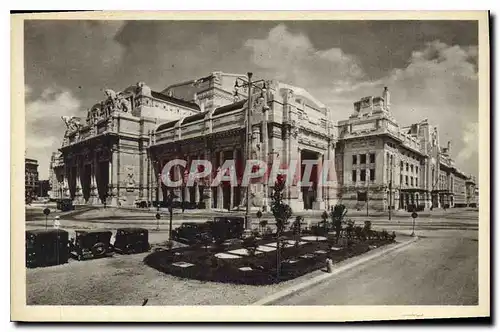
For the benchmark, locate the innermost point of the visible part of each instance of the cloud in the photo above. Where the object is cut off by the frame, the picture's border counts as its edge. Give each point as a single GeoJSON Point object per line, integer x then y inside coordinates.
{"type": "Point", "coordinates": [438, 82]}
{"type": "Point", "coordinates": [79, 55]}
{"type": "Point", "coordinates": [292, 58]}
{"type": "Point", "coordinates": [44, 127]}
{"type": "Point", "coordinates": [470, 142]}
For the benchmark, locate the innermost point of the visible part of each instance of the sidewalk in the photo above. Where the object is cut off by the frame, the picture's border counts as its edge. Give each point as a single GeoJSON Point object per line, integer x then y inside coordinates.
{"type": "Point", "coordinates": [317, 277]}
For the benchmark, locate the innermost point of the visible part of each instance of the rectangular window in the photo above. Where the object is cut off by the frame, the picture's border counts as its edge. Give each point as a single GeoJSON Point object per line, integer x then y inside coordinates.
{"type": "Point", "coordinates": [372, 175]}
{"type": "Point", "coordinates": [416, 169]}
{"type": "Point", "coordinates": [372, 158]}
{"type": "Point", "coordinates": [401, 165]}
{"type": "Point", "coordinates": [411, 180]}
{"type": "Point", "coordinates": [407, 167]}
{"type": "Point", "coordinates": [354, 176]}
{"type": "Point", "coordinates": [362, 175]}
{"type": "Point", "coordinates": [354, 159]}
{"type": "Point", "coordinates": [400, 178]}
{"type": "Point", "coordinates": [416, 182]}
{"type": "Point", "coordinates": [362, 159]}
{"type": "Point", "coordinates": [411, 168]}
{"type": "Point", "coordinates": [406, 179]}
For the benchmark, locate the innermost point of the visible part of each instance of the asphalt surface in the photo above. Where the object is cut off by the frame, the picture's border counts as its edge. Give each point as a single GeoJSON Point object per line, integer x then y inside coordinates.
{"type": "Point", "coordinates": [441, 268]}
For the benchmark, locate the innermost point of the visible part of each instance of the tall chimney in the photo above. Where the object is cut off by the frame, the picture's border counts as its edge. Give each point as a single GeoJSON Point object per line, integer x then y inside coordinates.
{"type": "Point", "coordinates": [387, 98]}
{"type": "Point", "coordinates": [449, 147]}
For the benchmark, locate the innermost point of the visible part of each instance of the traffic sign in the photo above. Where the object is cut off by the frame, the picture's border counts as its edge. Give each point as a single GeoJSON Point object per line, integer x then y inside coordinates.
{"type": "Point", "coordinates": [46, 211]}
{"type": "Point", "coordinates": [414, 215]}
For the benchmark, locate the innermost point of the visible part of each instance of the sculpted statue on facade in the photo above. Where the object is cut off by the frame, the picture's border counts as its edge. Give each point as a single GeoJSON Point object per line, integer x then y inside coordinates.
{"type": "Point", "coordinates": [434, 137]}
{"type": "Point", "coordinates": [116, 101]}
{"type": "Point", "coordinates": [72, 122]}
{"type": "Point", "coordinates": [143, 89]}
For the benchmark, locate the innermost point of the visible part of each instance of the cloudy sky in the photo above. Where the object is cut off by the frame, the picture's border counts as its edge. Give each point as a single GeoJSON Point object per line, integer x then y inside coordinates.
{"type": "Point", "coordinates": [430, 68]}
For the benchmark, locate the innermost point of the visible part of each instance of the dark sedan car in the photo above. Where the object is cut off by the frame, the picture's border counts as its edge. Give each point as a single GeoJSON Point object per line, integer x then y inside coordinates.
{"type": "Point", "coordinates": [191, 232]}
{"type": "Point", "coordinates": [46, 247]}
{"type": "Point", "coordinates": [91, 244]}
{"type": "Point", "coordinates": [131, 240]}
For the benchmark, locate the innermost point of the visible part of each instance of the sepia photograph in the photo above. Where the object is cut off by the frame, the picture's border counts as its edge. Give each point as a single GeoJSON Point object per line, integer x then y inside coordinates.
{"type": "Point", "coordinates": [314, 166]}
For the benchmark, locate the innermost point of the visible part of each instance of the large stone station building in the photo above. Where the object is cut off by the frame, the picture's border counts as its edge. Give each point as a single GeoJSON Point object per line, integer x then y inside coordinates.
{"type": "Point", "coordinates": [115, 155]}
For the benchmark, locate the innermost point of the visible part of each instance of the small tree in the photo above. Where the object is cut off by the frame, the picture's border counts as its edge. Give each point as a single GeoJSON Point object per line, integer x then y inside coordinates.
{"type": "Point", "coordinates": [337, 214]}
{"type": "Point", "coordinates": [324, 218]}
{"type": "Point", "coordinates": [297, 230]}
{"type": "Point", "coordinates": [282, 213]}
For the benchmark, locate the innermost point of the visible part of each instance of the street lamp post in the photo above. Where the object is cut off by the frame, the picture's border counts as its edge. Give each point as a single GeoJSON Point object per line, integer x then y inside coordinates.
{"type": "Point", "coordinates": [248, 141]}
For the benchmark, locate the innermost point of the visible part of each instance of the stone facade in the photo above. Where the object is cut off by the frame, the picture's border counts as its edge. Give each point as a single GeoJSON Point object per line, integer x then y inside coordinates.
{"type": "Point", "coordinates": [287, 125]}
{"type": "Point", "coordinates": [386, 165]}
{"type": "Point", "coordinates": [30, 179]}
{"type": "Point", "coordinates": [104, 158]}
{"type": "Point", "coordinates": [116, 154]}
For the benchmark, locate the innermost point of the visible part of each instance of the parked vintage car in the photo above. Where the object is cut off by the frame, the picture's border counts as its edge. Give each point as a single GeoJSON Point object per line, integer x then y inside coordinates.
{"type": "Point", "coordinates": [91, 244]}
{"type": "Point", "coordinates": [131, 240]}
{"type": "Point", "coordinates": [225, 228]}
{"type": "Point", "coordinates": [65, 204]}
{"type": "Point", "coordinates": [46, 247]}
{"type": "Point", "coordinates": [191, 232]}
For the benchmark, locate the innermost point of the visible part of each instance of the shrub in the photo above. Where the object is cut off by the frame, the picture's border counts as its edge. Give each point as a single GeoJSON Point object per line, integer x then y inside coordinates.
{"type": "Point", "coordinates": [256, 233]}
{"type": "Point", "coordinates": [296, 229]}
{"type": "Point", "coordinates": [349, 230]}
{"type": "Point", "coordinates": [367, 230]}
{"type": "Point", "coordinates": [318, 230]}
{"type": "Point", "coordinates": [250, 244]}
{"type": "Point", "coordinates": [263, 224]}
{"type": "Point", "coordinates": [358, 232]}
{"type": "Point", "coordinates": [204, 240]}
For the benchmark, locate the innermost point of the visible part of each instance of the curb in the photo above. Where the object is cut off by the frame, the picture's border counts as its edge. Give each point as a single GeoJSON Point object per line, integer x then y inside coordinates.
{"type": "Point", "coordinates": [317, 280]}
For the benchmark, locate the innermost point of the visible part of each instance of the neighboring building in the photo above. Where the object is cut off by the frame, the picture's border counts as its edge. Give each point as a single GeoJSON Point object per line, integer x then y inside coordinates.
{"type": "Point", "coordinates": [472, 192]}
{"type": "Point", "coordinates": [30, 179]}
{"type": "Point", "coordinates": [43, 188]}
{"type": "Point", "coordinates": [56, 176]}
{"type": "Point", "coordinates": [116, 153]}
{"type": "Point", "coordinates": [385, 164]}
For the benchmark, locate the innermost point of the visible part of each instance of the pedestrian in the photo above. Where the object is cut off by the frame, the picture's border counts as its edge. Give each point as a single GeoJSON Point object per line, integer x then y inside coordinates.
{"type": "Point", "coordinates": [57, 223]}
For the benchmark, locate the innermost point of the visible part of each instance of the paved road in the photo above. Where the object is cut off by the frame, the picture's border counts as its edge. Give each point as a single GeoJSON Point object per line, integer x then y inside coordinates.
{"type": "Point", "coordinates": [441, 268]}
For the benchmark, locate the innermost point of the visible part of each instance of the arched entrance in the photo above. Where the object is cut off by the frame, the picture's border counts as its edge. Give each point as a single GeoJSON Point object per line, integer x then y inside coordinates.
{"type": "Point", "coordinates": [308, 191]}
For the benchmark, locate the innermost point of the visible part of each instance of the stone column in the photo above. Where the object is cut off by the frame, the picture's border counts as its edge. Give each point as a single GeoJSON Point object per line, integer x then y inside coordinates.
{"type": "Point", "coordinates": [232, 189]}
{"type": "Point", "coordinates": [220, 196]}
{"type": "Point", "coordinates": [197, 191]}
{"type": "Point", "coordinates": [78, 192]}
{"type": "Point", "coordinates": [298, 172]}
{"type": "Point", "coordinates": [66, 192]}
{"type": "Point", "coordinates": [177, 177]}
{"type": "Point", "coordinates": [113, 177]}
{"type": "Point", "coordinates": [319, 203]}
{"type": "Point", "coordinates": [94, 199]}
{"type": "Point", "coordinates": [207, 188]}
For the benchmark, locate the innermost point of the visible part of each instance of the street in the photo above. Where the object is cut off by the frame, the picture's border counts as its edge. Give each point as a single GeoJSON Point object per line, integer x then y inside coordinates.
{"type": "Point", "coordinates": [441, 268]}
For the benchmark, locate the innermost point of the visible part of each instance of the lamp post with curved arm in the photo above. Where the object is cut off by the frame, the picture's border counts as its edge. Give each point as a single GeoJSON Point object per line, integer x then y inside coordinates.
{"type": "Point", "coordinates": [249, 84]}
